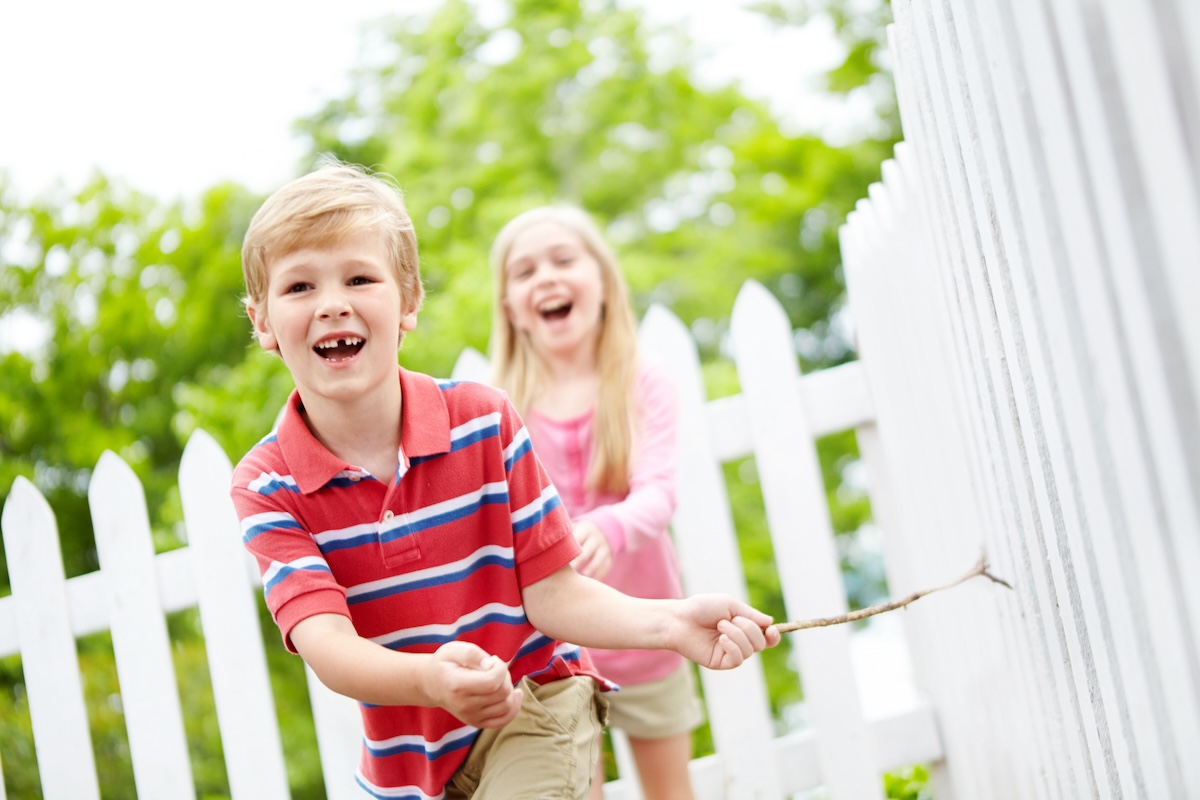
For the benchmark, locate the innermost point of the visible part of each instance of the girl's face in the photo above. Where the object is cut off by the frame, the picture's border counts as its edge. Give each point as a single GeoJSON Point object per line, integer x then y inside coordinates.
{"type": "Point", "coordinates": [554, 291]}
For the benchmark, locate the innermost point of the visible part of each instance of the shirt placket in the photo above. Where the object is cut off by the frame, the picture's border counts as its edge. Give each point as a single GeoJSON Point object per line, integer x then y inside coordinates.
{"type": "Point", "coordinates": [403, 549]}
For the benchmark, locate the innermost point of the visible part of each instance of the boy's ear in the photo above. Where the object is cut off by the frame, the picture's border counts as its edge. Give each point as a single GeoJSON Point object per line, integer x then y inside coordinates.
{"type": "Point", "coordinates": [408, 322]}
{"type": "Point", "coordinates": [262, 328]}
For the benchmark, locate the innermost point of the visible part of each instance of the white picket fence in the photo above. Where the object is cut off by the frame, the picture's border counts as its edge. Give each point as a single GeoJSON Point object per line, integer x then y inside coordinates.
{"type": "Point", "coordinates": [1024, 283]}
{"type": "Point", "coordinates": [776, 419]}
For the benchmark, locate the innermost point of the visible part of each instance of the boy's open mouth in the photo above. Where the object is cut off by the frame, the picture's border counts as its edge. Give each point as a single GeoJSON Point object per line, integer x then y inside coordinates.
{"type": "Point", "coordinates": [339, 349]}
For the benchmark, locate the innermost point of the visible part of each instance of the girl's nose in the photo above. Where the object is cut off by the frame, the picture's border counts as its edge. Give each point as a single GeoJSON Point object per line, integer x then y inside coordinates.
{"type": "Point", "coordinates": [542, 273]}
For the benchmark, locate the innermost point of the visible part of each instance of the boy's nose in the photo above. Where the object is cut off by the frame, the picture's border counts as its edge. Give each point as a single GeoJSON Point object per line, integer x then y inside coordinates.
{"type": "Point", "coordinates": [333, 304]}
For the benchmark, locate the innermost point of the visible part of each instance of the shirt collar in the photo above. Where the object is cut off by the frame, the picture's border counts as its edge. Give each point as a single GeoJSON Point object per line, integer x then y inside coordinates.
{"type": "Point", "coordinates": [424, 431]}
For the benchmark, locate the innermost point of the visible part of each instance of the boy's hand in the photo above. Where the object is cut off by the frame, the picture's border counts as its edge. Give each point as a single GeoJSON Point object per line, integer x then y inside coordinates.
{"type": "Point", "coordinates": [473, 685]}
{"type": "Point", "coordinates": [720, 632]}
{"type": "Point", "coordinates": [596, 559]}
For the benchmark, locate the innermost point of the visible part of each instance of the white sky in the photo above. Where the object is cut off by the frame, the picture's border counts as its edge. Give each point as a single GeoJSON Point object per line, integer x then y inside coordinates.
{"type": "Point", "coordinates": [173, 98]}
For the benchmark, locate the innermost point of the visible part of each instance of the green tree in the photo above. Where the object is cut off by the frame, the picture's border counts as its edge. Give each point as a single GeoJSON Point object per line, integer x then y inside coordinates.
{"type": "Point", "coordinates": [131, 295]}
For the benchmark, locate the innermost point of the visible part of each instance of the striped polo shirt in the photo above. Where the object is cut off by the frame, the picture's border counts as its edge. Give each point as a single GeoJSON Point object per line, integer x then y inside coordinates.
{"type": "Point", "coordinates": [438, 553]}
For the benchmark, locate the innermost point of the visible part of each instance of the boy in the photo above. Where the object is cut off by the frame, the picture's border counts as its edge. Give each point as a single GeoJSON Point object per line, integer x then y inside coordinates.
{"type": "Point", "coordinates": [413, 551]}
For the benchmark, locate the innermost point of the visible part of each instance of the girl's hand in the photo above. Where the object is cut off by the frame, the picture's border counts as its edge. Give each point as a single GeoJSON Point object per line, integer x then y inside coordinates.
{"type": "Point", "coordinates": [596, 559]}
{"type": "Point", "coordinates": [720, 632]}
{"type": "Point", "coordinates": [473, 685]}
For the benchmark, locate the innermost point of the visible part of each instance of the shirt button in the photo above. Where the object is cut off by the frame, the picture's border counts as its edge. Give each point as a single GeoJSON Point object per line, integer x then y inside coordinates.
{"type": "Point", "coordinates": [355, 477]}
{"type": "Point", "coordinates": [388, 515]}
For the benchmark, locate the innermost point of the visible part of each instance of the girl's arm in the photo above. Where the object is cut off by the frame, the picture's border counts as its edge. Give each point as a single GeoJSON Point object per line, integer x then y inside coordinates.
{"type": "Point", "coordinates": [713, 630]}
{"type": "Point", "coordinates": [645, 512]}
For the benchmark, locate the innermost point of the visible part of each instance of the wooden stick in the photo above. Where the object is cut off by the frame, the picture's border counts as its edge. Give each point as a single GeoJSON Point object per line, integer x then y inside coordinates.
{"type": "Point", "coordinates": [980, 568]}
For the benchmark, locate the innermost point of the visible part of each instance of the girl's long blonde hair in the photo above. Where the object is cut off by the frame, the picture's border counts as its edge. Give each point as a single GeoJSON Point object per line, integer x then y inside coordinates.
{"type": "Point", "coordinates": [518, 369]}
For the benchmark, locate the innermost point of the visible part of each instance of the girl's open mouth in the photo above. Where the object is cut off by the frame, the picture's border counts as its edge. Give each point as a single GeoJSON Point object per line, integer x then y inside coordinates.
{"type": "Point", "coordinates": [556, 312]}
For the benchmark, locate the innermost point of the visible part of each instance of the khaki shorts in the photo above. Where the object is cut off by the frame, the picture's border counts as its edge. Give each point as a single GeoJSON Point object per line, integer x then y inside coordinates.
{"type": "Point", "coordinates": [659, 708]}
{"type": "Point", "coordinates": [549, 750]}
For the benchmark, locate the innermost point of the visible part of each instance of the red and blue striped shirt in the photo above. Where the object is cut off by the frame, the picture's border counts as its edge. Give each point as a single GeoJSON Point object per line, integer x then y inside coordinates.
{"type": "Point", "coordinates": [440, 552]}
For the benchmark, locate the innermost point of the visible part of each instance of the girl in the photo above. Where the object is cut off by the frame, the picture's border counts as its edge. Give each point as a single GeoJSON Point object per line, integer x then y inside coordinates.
{"type": "Point", "coordinates": [603, 423]}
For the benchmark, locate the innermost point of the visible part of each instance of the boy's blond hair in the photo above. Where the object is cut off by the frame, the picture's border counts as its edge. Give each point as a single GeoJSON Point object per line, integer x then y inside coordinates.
{"type": "Point", "coordinates": [324, 207]}
{"type": "Point", "coordinates": [518, 370]}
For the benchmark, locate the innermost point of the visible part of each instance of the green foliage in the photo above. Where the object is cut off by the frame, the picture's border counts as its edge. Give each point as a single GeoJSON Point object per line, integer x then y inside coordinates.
{"type": "Point", "coordinates": [16, 733]}
{"type": "Point", "coordinates": [911, 783]}
{"type": "Point", "coordinates": [861, 27]}
{"type": "Point", "coordinates": [132, 295]}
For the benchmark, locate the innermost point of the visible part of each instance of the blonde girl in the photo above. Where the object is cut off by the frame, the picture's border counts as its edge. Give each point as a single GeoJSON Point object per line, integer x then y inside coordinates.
{"type": "Point", "coordinates": [603, 421]}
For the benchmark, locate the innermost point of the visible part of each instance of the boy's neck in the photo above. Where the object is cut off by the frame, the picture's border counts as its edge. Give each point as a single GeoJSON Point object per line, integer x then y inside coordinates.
{"type": "Point", "coordinates": [365, 433]}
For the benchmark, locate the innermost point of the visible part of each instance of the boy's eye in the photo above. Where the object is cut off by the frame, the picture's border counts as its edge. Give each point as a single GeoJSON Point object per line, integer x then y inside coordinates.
{"type": "Point", "coordinates": [296, 288]}
{"type": "Point", "coordinates": [360, 280]}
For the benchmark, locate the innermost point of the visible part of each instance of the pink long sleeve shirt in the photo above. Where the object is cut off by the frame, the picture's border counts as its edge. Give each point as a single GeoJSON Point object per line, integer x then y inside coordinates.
{"type": "Point", "coordinates": [635, 524]}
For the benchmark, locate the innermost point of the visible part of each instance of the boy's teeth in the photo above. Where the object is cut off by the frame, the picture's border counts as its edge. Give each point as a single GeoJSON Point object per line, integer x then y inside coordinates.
{"type": "Point", "coordinates": [350, 342]}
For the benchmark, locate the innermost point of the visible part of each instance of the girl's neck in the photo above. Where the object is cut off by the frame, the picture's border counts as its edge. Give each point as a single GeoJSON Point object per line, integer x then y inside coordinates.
{"type": "Point", "coordinates": [570, 387]}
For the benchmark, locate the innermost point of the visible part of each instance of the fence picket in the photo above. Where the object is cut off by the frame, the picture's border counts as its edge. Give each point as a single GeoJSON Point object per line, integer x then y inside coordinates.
{"type": "Point", "coordinates": [471, 365]}
{"type": "Point", "coordinates": [802, 534]}
{"type": "Point", "coordinates": [149, 696]}
{"type": "Point", "coordinates": [339, 737]}
{"type": "Point", "coordinates": [228, 613]}
{"type": "Point", "coordinates": [51, 667]}
{"type": "Point", "coordinates": [707, 548]}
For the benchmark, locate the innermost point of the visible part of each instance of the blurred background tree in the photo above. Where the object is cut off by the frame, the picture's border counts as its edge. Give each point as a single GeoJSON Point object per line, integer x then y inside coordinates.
{"type": "Point", "coordinates": [478, 117]}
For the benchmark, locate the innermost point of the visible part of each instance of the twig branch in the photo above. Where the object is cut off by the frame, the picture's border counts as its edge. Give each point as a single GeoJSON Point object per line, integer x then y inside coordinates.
{"type": "Point", "coordinates": [981, 568]}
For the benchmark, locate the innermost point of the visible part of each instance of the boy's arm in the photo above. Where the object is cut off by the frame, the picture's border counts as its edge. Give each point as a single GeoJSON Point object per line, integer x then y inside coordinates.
{"type": "Point", "coordinates": [713, 630]}
{"type": "Point", "coordinates": [460, 677]}
{"type": "Point", "coordinates": [309, 606]}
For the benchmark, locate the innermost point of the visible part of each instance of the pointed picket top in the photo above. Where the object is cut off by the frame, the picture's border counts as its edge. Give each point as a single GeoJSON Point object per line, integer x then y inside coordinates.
{"type": "Point", "coordinates": [25, 510]}
{"type": "Point", "coordinates": [471, 365]}
{"type": "Point", "coordinates": [111, 476]}
{"type": "Point", "coordinates": [203, 463]}
{"type": "Point", "coordinates": [51, 666]}
{"type": "Point", "coordinates": [757, 313]}
{"type": "Point", "coordinates": [664, 335]}
{"type": "Point", "coordinates": [201, 453]}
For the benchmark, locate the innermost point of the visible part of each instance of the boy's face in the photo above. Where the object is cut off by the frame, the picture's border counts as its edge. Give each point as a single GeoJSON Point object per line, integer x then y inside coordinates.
{"type": "Point", "coordinates": [336, 317]}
